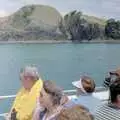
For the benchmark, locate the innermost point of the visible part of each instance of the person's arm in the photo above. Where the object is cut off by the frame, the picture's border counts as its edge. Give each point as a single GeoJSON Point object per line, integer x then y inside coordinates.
{"type": "Point", "coordinates": [11, 115]}
{"type": "Point", "coordinates": [64, 100]}
{"type": "Point", "coordinates": [8, 115]}
{"type": "Point", "coordinates": [37, 110]}
{"type": "Point", "coordinates": [36, 114]}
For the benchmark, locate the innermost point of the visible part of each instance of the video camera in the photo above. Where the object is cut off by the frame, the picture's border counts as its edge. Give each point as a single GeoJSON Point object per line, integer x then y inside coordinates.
{"type": "Point", "coordinates": [110, 78]}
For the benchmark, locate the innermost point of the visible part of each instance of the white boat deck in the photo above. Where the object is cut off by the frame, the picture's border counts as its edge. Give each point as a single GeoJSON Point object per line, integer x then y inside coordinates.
{"type": "Point", "coordinates": [103, 96]}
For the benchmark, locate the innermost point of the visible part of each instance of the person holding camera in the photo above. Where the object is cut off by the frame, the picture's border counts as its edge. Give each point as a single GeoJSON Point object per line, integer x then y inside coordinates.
{"type": "Point", "coordinates": [111, 78]}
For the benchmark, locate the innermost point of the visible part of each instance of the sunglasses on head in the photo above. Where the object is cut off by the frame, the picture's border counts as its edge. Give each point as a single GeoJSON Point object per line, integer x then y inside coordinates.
{"type": "Point", "coordinates": [113, 73]}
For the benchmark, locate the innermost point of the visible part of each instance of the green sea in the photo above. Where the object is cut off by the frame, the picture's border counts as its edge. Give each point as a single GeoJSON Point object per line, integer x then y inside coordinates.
{"type": "Point", "coordinates": [62, 63]}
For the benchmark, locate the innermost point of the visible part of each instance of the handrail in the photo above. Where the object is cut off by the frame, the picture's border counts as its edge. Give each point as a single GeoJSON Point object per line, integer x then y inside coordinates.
{"type": "Point", "coordinates": [7, 96]}
{"type": "Point", "coordinates": [98, 89]}
{"type": "Point", "coordinates": [69, 91]}
{"type": "Point", "coordinates": [3, 114]}
{"type": "Point", "coordinates": [13, 96]}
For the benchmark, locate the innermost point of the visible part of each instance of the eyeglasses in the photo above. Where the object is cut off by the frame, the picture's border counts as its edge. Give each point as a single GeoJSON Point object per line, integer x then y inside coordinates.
{"type": "Point", "coordinates": [116, 74]}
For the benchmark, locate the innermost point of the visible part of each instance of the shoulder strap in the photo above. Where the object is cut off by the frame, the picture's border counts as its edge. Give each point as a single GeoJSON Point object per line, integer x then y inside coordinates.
{"type": "Point", "coordinates": [42, 114]}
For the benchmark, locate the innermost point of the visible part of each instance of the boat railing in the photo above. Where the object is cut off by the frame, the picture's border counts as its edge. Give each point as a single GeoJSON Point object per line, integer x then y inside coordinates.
{"type": "Point", "coordinates": [7, 96]}
{"type": "Point", "coordinates": [73, 91]}
{"type": "Point", "coordinates": [68, 92]}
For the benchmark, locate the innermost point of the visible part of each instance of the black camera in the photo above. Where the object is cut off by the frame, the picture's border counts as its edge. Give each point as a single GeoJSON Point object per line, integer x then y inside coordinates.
{"type": "Point", "coordinates": [109, 79]}
{"type": "Point", "coordinates": [13, 114]}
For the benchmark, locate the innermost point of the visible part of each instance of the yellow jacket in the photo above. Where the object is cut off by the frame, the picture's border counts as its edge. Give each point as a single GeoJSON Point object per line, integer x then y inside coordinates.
{"type": "Point", "coordinates": [25, 101]}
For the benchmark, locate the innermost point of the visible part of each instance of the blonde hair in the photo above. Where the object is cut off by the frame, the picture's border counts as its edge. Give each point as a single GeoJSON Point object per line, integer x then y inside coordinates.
{"type": "Point", "coordinates": [75, 113]}
{"type": "Point", "coordinates": [52, 89]}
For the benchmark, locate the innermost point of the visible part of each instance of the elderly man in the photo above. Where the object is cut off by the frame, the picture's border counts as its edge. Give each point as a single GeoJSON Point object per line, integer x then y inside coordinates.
{"type": "Point", "coordinates": [26, 98]}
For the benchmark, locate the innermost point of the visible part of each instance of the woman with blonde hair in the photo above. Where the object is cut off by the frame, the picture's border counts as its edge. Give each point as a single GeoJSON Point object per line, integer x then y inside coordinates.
{"type": "Point", "coordinates": [49, 104]}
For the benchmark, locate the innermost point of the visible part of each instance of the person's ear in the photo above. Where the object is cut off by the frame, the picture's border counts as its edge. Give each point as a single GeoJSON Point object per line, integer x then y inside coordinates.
{"type": "Point", "coordinates": [118, 98]}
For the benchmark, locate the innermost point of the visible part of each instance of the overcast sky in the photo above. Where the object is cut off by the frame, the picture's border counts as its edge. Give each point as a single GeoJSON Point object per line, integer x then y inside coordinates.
{"type": "Point", "coordinates": [100, 8]}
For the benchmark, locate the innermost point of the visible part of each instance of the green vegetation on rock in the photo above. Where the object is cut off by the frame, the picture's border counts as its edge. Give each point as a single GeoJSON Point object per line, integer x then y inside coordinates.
{"type": "Point", "coordinates": [41, 22]}
{"type": "Point", "coordinates": [112, 29]}
{"type": "Point", "coordinates": [32, 22]}
{"type": "Point", "coordinates": [77, 28]}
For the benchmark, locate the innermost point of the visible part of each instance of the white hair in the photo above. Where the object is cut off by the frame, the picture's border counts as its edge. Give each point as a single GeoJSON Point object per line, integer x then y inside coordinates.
{"type": "Point", "coordinates": [30, 71]}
